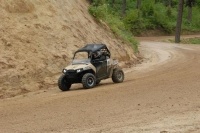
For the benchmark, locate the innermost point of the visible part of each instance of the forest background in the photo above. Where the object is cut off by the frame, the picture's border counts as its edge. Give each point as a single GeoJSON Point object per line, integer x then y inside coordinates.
{"type": "Point", "coordinates": [146, 17]}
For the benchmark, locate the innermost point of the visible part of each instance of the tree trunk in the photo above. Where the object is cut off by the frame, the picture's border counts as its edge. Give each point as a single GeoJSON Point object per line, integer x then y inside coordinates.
{"type": "Point", "coordinates": [138, 5]}
{"type": "Point", "coordinates": [113, 2]}
{"type": "Point", "coordinates": [179, 21]}
{"type": "Point", "coordinates": [189, 17]}
{"type": "Point", "coordinates": [190, 4]}
{"type": "Point", "coordinates": [123, 8]}
{"type": "Point", "coordinates": [170, 3]}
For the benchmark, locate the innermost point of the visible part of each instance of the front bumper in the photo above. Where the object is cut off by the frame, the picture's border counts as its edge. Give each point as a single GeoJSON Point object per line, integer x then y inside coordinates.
{"type": "Point", "coordinates": [74, 76]}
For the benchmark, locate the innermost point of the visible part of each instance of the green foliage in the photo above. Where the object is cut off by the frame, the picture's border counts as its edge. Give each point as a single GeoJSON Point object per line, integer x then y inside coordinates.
{"type": "Point", "coordinates": [163, 18]}
{"type": "Point", "coordinates": [133, 22]}
{"type": "Point", "coordinates": [193, 26]}
{"type": "Point", "coordinates": [196, 19]}
{"type": "Point", "coordinates": [102, 12]}
{"type": "Point", "coordinates": [150, 16]}
{"type": "Point", "coordinates": [147, 9]}
{"type": "Point", "coordinates": [98, 11]}
{"type": "Point", "coordinates": [195, 40]}
{"type": "Point", "coordinates": [191, 41]}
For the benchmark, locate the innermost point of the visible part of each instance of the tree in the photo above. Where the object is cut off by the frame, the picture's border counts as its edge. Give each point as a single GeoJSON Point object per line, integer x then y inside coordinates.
{"type": "Point", "coordinates": [190, 4]}
{"type": "Point", "coordinates": [112, 3]}
{"type": "Point", "coordinates": [138, 5]}
{"type": "Point", "coordinates": [179, 21]}
{"type": "Point", "coordinates": [123, 8]}
{"type": "Point", "coordinates": [169, 3]}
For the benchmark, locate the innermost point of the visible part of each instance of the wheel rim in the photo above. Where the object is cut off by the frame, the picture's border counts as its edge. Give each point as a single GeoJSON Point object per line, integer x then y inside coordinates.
{"type": "Point", "coordinates": [90, 81]}
{"type": "Point", "coordinates": [119, 75]}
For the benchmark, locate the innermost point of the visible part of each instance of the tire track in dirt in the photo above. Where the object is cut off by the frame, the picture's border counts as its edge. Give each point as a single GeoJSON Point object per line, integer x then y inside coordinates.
{"type": "Point", "coordinates": [160, 95]}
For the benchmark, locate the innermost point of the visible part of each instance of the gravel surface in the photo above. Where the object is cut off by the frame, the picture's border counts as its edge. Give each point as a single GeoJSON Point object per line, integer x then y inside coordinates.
{"type": "Point", "coordinates": [161, 95]}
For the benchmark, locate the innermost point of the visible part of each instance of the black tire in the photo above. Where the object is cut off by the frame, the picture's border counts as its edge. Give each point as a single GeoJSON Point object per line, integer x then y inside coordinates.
{"type": "Point", "coordinates": [63, 84]}
{"type": "Point", "coordinates": [118, 75]}
{"type": "Point", "coordinates": [88, 80]}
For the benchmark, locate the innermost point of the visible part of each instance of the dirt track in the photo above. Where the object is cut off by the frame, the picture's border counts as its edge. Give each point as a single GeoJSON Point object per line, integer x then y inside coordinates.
{"type": "Point", "coordinates": [160, 95]}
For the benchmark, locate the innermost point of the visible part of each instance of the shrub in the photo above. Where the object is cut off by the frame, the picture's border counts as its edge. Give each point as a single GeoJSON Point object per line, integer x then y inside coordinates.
{"type": "Point", "coordinates": [150, 16]}
{"type": "Point", "coordinates": [134, 22]}
{"type": "Point", "coordinates": [118, 27]}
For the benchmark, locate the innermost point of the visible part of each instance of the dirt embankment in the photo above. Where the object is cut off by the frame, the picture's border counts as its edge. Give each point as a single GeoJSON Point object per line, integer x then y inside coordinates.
{"type": "Point", "coordinates": [38, 38]}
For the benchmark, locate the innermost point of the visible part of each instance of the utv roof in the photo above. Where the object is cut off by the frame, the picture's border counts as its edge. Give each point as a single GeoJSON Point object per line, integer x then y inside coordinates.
{"type": "Point", "coordinates": [92, 48]}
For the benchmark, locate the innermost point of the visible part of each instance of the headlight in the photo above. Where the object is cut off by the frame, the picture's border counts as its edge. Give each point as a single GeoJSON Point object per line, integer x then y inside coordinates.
{"type": "Point", "coordinates": [79, 70]}
{"type": "Point", "coordinates": [64, 70]}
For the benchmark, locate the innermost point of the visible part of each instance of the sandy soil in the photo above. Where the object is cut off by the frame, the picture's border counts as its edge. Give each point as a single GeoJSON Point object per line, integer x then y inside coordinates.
{"type": "Point", "coordinates": [38, 39]}
{"type": "Point", "coordinates": [161, 95]}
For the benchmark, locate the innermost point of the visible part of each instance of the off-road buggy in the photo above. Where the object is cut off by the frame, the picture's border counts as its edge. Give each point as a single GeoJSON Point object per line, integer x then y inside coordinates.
{"type": "Point", "coordinates": [89, 66]}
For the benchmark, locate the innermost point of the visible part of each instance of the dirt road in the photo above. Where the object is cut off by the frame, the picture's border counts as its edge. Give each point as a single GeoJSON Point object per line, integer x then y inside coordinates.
{"type": "Point", "coordinates": [160, 95]}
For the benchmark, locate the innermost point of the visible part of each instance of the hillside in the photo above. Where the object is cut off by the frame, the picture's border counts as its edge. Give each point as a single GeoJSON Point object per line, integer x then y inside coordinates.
{"type": "Point", "coordinates": [38, 38]}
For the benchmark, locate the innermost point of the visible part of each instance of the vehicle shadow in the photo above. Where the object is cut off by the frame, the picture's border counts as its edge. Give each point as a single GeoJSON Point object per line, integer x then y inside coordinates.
{"type": "Point", "coordinates": [103, 84]}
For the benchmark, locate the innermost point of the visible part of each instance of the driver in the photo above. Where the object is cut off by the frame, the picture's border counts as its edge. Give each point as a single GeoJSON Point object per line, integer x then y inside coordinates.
{"type": "Point", "coordinates": [97, 55]}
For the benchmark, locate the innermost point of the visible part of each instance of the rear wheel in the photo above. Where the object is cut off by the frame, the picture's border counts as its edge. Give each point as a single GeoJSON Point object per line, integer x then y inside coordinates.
{"type": "Point", "coordinates": [63, 83]}
{"type": "Point", "coordinates": [118, 75]}
{"type": "Point", "coordinates": [88, 80]}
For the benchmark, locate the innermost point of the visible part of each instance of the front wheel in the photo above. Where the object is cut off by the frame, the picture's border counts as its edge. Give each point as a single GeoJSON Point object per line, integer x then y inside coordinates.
{"type": "Point", "coordinates": [63, 83]}
{"type": "Point", "coordinates": [88, 80]}
{"type": "Point", "coordinates": [118, 75]}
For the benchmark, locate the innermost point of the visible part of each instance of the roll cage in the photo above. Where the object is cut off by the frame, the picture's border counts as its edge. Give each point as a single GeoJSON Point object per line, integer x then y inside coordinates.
{"type": "Point", "coordinates": [94, 49]}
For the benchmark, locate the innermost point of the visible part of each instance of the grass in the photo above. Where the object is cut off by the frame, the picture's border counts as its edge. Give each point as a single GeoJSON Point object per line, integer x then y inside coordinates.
{"type": "Point", "coordinates": [195, 40]}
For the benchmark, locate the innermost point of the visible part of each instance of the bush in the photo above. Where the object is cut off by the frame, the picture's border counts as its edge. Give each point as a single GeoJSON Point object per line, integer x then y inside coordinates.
{"type": "Point", "coordinates": [163, 18]}
{"type": "Point", "coordinates": [118, 27]}
{"type": "Point", "coordinates": [150, 16]}
{"type": "Point", "coordinates": [134, 22]}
